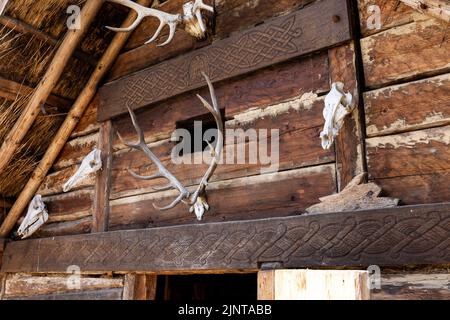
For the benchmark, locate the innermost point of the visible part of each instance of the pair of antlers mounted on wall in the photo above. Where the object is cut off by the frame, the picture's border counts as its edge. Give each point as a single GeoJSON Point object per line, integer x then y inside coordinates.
{"type": "Point", "coordinates": [192, 19]}
{"type": "Point", "coordinates": [197, 199]}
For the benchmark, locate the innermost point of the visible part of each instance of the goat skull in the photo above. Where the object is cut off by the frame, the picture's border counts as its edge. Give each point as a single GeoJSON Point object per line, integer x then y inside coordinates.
{"type": "Point", "coordinates": [92, 163]}
{"type": "Point", "coordinates": [36, 216]}
{"type": "Point", "coordinates": [337, 105]}
{"type": "Point", "coordinates": [197, 199]}
{"type": "Point", "coordinates": [191, 17]}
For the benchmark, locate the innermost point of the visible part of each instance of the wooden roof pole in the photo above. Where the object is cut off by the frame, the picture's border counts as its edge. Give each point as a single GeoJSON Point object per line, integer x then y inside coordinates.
{"type": "Point", "coordinates": [68, 126]}
{"type": "Point", "coordinates": [436, 8]}
{"type": "Point", "coordinates": [47, 83]}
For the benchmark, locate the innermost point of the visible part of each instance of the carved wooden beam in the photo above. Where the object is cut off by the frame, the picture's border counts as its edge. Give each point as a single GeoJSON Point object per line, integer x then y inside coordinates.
{"type": "Point", "coordinates": [319, 26]}
{"type": "Point", "coordinates": [436, 8]}
{"type": "Point", "coordinates": [394, 236]}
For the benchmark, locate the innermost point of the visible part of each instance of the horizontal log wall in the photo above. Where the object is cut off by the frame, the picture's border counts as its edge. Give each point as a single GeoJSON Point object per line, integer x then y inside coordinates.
{"type": "Point", "coordinates": [287, 96]}
{"type": "Point", "coordinates": [71, 213]}
{"type": "Point", "coordinates": [20, 286]}
{"type": "Point", "coordinates": [407, 110]}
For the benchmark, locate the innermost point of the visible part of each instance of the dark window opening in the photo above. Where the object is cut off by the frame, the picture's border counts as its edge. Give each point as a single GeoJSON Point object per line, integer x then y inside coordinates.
{"type": "Point", "coordinates": [204, 122]}
{"type": "Point", "coordinates": [207, 287]}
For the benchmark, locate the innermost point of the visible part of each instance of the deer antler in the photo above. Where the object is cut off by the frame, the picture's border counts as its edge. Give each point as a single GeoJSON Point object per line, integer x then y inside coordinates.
{"type": "Point", "coordinates": [171, 20]}
{"type": "Point", "coordinates": [190, 10]}
{"type": "Point", "coordinates": [197, 199]}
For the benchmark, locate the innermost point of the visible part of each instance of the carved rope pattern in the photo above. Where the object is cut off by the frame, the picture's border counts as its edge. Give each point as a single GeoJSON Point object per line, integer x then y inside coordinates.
{"type": "Point", "coordinates": [218, 62]}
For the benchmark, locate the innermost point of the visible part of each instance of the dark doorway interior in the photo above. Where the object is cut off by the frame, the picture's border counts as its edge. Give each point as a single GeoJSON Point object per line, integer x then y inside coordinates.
{"type": "Point", "coordinates": [207, 287]}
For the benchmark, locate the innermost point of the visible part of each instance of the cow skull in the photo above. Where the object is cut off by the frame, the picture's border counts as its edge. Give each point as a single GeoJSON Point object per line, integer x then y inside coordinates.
{"type": "Point", "coordinates": [92, 163]}
{"type": "Point", "coordinates": [36, 216]}
{"type": "Point", "coordinates": [337, 106]}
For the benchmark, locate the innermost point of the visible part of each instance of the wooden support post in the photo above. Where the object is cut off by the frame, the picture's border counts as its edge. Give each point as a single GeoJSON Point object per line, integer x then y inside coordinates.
{"type": "Point", "coordinates": [313, 285]}
{"type": "Point", "coordinates": [103, 180]}
{"type": "Point", "coordinates": [68, 126]}
{"type": "Point", "coordinates": [435, 8]}
{"type": "Point", "coordinates": [2, 247]}
{"type": "Point", "coordinates": [47, 83]}
{"type": "Point", "coordinates": [139, 287]}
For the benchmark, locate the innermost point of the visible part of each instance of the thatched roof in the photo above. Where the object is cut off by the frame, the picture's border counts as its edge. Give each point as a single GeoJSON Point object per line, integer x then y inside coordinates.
{"type": "Point", "coordinates": [30, 31]}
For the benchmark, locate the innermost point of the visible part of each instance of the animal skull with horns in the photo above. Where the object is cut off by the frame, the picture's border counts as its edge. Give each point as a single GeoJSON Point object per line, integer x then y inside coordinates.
{"type": "Point", "coordinates": [197, 199]}
{"type": "Point", "coordinates": [191, 17]}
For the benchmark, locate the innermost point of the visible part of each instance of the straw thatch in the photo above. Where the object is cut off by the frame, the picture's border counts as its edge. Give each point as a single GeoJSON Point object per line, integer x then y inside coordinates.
{"type": "Point", "coordinates": [24, 58]}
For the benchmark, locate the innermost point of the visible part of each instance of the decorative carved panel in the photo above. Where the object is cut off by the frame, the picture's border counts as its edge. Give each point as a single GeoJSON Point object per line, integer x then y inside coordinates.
{"type": "Point", "coordinates": [396, 236]}
{"type": "Point", "coordinates": [313, 28]}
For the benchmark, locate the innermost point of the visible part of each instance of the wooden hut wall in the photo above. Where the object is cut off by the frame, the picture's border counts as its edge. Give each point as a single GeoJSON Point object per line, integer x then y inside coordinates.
{"type": "Point", "coordinates": [400, 134]}
{"type": "Point", "coordinates": [407, 110]}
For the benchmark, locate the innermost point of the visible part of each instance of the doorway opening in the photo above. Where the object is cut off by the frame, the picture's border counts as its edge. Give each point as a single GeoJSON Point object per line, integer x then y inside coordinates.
{"type": "Point", "coordinates": [207, 287]}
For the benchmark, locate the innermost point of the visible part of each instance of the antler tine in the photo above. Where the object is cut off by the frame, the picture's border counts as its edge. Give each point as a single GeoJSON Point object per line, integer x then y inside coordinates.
{"type": "Point", "coordinates": [214, 109]}
{"type": "Point", "coordinates": [162, 170]}
{"type": "Point", "coordinates": [150, 177]}
{"type": "Point", "coordinates": [171, 20]}
{"type": "Point", "coordinates": [171, 205]}
{"type": "Point", "coordinates": [172, 29]}
{"type": "Point", "coordinates": [198, 5]}
{"type": "Point", "coordinates": [137, 127]}
{"type": "Point", "coordinates": [140, 10]}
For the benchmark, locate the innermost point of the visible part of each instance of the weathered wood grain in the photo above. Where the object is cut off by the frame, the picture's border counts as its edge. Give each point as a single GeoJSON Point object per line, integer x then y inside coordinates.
{"type": "Point", "coordinates": [103, 180]}
{"type": "Point", "coordinates": [69, 206]}
{"type": "Point", "coordinates": [349, 143]}
{"type": "Point", "coordinates": [412, 153]}
{"type": "Point", "coordinates": [405, 52]}
{"type": "Point", "coordinates": [147, 55]}
{"type": "Point", "coordinates": [80, 226]}
{"type": "Point", "coordinates": [284, 38]}
{"type": "Point", "coordinates": [413, 287]}
{"type": "Point", "coordinates": [419, 188]}
{"type": "Point", "coordinates": [234, 16]}
{"type": "Point", "coordinates": [25, 285]}
{"type": "Point", "coordinates": [88, 122]}
{"type": "Point", "coordinates": [396, 236]}
{"type": "Point", "coordinates": [392, 14]}
{"type": "Point", "coordinates": [269, 195]}
{"type": "Point", "coordinates": [75, 151]}
{"type": "Point", "coordinates": [53, 183]}
{"type": "Point", "coordinates": [298, 123]}
{"type": "Point", "coordinates": [273, 85]}
{"type": "Point", "coordinates": [106, 294]}
{"type": "Point", "coordinates": [314, 285]}
{"type": "Point", "coordinates": [407, 107]}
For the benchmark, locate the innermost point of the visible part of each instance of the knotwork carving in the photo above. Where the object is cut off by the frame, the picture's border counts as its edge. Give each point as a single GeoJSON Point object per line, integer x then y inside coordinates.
{"type": "Point", "coordinates": [273, 42]}
{"type": "Point", "coordinates": [384, 237]}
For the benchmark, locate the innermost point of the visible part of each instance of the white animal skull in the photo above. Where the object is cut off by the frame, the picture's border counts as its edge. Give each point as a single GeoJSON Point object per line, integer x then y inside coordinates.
{"type": "Point", "coordinates": [36, 216]}
{"type": "Point", "coordinates": [92, 163]}
{"type": "Point", "coordinates": [337, 105]}
{"type": "Point", "coordinates": [199, 207]}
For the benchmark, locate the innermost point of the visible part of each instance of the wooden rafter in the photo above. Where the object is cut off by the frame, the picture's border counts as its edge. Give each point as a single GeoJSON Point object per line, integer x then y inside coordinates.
{"type": "Point", "coordinates": [68, 126]}
{"type": "Point", "coordinates": [436, 8]}
{"type": "Point", "coordinates": [23, 27]}
{"type": "Point", "coordinates": [47, 83]}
